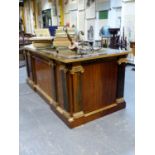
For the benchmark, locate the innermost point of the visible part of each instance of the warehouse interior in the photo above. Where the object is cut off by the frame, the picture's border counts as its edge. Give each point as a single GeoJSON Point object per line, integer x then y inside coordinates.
{"type": "Point", "coordinates": [98, 79]}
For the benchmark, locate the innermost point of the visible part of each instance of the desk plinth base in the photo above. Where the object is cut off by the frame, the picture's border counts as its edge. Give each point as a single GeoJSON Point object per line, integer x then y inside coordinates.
{"type": "Point", "coordinates": [72, 121]}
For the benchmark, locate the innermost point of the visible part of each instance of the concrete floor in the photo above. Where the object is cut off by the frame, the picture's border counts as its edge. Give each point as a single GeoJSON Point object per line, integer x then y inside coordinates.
{"type": "Point", "coordinates": [43, 133]}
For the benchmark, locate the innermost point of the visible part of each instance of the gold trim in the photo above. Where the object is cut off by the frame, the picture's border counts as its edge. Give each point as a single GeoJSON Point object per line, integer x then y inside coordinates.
{"type": "Point", "coordinates": [60, 110]}
{"type": "Point", "coordinates": [67, 114]}
{"type": "Point", "coordinates": [51, 63]}
{"type": "Point", "coordinates": [71, 119]}
{"type": "Point", "coordinates": [31, 82]}
{"type": "Point", "coordinates": [78, 114]}
{"type": "Point", "coordinates": [51, 101]}
{"type": "Point", "coordinates": [54, 103]}
{"type": "Point", "coordinates": [77, 69]}
{"type": "Point", "coordinates": [65, 60]}
{"type": "Point", "coordinates": [99, 110]}
{"type": "Point", "coordinates": [122, 60]}
{"type": "Point", "coordinates": [61, 67]}
{"type": "Point", "coordinates": [63, 112]}
{"type": "Point", "coordinates": [120, 100]}
{"type": "Point", "coordinates": [28, 53]}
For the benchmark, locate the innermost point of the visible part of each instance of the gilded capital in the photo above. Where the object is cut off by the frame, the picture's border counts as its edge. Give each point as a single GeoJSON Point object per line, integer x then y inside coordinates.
{"type": "Point", "coordinates": [122, 60]}
{"type": "Point", "coordinates": [77, 69]}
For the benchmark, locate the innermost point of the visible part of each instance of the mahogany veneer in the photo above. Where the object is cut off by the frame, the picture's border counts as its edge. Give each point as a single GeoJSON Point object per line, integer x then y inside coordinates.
{"type": "Point", "coordinates": [81, 91]}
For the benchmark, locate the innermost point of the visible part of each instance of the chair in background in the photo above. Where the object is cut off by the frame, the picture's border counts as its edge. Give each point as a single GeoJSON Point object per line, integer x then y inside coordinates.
{"type": "Point", "coordinates": [23, 40]}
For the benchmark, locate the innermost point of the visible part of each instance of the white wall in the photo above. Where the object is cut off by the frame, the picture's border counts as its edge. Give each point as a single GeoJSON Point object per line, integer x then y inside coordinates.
{"type": "Point", "coordinates": [128, 20]}
{"type": "Point", "coordinates": [119, 15]}
{"type": "Point", "coordinates": [28, 17]}
{"type": "Point", "coordinates": [99, 23]}
{"type": "Point", "coordinates": [114, 14]}
{"type": "Point", "coordinates": [115, 3]}
{"type": "Point", "coordinates": [44, 4]}
{"type": "Point", "coordinates": [114, 18]}
{"type": "Point", "coordinates": [125, 10]}
{"type": "Point", "coordinates": [117, 9]}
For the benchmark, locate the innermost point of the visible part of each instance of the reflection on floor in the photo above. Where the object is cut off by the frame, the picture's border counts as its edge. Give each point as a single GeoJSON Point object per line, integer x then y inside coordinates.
{"type": "Point", "coordinates": [43, 133]}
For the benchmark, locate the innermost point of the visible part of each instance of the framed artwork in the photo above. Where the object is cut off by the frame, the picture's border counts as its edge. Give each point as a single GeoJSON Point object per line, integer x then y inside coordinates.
{"type": "Point", "coordinates": [81, 5]}
{"type": "Point", "coordinates": [81, 19]}
{"type": "Point", "coordinates": [89, 2]}
{"type": "Point", "coordinates": [116, 3]}
{"type": "Point", "coordinates": [73, 5]}
{"type": "Point", "coordinates": [90, 9]}
{"type": "Point", "coordinates": [102, 5]}
{"type": "Point", "coordinates": [66, 8]}
{"type": "Point", "coordinates": [103, 14]}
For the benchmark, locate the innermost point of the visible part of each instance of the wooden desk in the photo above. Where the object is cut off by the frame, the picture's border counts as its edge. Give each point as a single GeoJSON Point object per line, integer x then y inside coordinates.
{"type": "Point", "coordinates": [132, 45]}
{"type": "Point", "coordinates": [78, 90]}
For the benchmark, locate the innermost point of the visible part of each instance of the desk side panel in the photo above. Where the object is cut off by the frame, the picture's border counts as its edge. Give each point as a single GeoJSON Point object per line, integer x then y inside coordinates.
{"type": "Point", "coordinates": [99, 82]}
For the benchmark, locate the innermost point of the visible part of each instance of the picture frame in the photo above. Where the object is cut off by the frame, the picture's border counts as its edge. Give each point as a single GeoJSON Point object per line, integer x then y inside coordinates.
{"type": "Point", "coordinates": [90, 9]}
{"type": "Point", "coordinates": [81, 5]}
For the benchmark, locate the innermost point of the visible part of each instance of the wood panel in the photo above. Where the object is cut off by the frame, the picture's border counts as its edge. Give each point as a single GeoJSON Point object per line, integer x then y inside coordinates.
{"type": "Point", "coordinates": [99, 85]}
{"type": "Point", "coordinates": [43, 75]}
{"type": "Point", "coordinates": [84, 91]}
{"type": "Point", "coordinates": [62, 87]}
{"type": "Point", "coordinates": [77, 94]}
